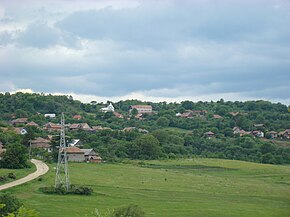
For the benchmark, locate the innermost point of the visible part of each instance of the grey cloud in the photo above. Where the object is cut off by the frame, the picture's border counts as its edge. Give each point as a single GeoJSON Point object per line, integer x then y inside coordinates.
{"type": "Point", "coordinates": [39, 35]}
{"type": "Point", "coordinates": [156, 25]}
{"type": "Point", "coordinates": [5, 38]}
{"type": "Point", "coordinates": [164, 50]}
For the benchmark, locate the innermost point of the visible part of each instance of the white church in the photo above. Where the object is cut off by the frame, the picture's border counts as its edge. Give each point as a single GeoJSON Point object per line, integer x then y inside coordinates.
{"type": "Point", "coordinates": [109, 108]}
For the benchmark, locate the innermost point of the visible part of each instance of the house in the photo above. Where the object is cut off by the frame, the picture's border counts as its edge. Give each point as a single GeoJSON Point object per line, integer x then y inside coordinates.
{"type": "Point", "coordinates": [142, 109]}
{"type": "Point", "coordinates": [91, 156]}
{"type": "Point", "coordinates": [97, 128]}
{"type": "Point", "coordinates": [77, 117]}
{"type": "Point", "coordinates": [2, 149]}
{"type": "Point", "coordinates": [41, 143]}
{"type": "Point", "coordinates": [234, 113]}
{"type": "Point", "coordinates": [285, 134]}
{"type": "Point", "coordinates": [139, 116]}
{"type": "Point", "coordinates": [258, 125]}
{"type": "Point", "coordinates": [20, 130]}
{"type": "Point", "coordinates": [85, 126]}
{"type": "Point", "coordinates": [33, 124]}
{"type": "Point", "coordinates": [192, 113]}
{"type": "Point", "coordinates": [19, 121]}
{"type": "Point", "coordinates": [49, 115]}
{"type": "Point", "coordinates": [143, 131]}
{"type": "Point", "coordinates": [129, 129]}
{"type": "Point", "coordinates": [199, 113]}
{"type": "Point", "coordinates": [74, 154]}
{"type": "Point", "coordinates": [109, 108]}
{"type": "Point", "coordinates": [237, 130]}
{"type": "Point", "coordinates": [217, 117]}
{"type": "Point", "coordinates": [186, 115]}
{"type": "Point", "coordinates": [118, 115]}
{"type": "Point", "coordinates": [209, 134]}
{"type": "Point", "coordinates": [80, 126]}
{"type": "Point", "coordinates": [74, 126]}
{"type": "Point", "coordinates": [75, 143]}
{"type": "Point", "coordinates": [273, 134]}
{"type": "Point", "coordinates": [50, 127]}
{"type": "Point", "coordinates": [258, 133]}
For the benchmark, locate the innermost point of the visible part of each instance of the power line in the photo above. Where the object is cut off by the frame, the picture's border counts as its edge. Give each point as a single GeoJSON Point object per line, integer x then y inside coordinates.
{"type": "Point", "coordinates": [62, 176]}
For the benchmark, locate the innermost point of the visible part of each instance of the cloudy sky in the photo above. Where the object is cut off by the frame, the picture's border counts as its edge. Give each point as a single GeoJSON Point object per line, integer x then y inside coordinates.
{"type": "Point", "coordinates": [151, 50]}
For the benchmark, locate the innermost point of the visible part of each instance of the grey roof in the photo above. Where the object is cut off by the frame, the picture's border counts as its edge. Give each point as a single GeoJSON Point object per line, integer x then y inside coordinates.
{"type": "Point", "coordinates": [87, 151]}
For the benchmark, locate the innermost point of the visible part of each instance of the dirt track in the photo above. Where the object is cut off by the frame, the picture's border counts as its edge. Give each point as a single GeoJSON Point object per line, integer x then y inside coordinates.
{"type": "Point", "coordinates": [41, 168]}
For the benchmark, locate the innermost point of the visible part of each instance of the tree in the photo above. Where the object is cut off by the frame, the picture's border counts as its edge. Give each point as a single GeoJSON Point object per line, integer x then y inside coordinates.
{"type": "Point", "coordinates": [162, 121]}
{"type": "Point", "coordinates": [134, 112]}
{"type": "Point", "coordinates": [267, 148]}
{"type": "Point", "coordinates": [187, 104]}
{"type": "Point", "coordinates": [145, 147]}
{"type": "Point", "coordinates": [12, 204]}
{"type": "Point", "coordinates": [15, 157]}
{"type": "Point", "coordinates": [268, 159]}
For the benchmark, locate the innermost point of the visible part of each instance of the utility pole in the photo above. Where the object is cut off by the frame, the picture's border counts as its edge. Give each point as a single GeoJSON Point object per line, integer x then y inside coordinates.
{"type": "Point", "coordinates": [61, 176]}
{"type": "Point", "coordinates": [30, 149]}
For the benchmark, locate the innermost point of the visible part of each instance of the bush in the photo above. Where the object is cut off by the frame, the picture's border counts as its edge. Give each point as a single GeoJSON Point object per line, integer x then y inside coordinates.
{"type": "Point", "coordinates": [3, 178]}
{"type": "Point", "coordinates": [11, 176]}
{"type": "Point", "coordinates": [128, 211]}
{"type": "Point", "coordinates": [80, 190]}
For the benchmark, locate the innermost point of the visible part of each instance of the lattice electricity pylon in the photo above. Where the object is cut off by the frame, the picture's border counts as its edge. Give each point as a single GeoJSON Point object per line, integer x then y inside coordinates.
{"type": "Point", "coordinates": [61, 176]}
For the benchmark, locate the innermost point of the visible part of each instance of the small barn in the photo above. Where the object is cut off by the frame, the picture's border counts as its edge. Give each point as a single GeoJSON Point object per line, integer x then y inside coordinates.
{"type": "Point", "coordinates": [91, 156]}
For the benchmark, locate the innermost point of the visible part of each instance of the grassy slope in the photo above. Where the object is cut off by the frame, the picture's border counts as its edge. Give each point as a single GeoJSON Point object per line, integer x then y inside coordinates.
{"type": "Point", "coordinates": [180, 188]}
{"type": "Point", "coordinates": [20, 173]}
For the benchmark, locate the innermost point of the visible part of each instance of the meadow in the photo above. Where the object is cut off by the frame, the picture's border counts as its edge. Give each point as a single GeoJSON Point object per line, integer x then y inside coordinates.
{"type": "Point", "coordinates": [180, 188]}
{"type": "Point", "coordinates": [20, 173]}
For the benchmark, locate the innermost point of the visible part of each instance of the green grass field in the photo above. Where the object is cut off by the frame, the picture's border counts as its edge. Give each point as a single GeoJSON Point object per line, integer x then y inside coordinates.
{"type": "Point", "coordinates": [179, 188]}
{"type": "Point", "coordinates": [19, 173]}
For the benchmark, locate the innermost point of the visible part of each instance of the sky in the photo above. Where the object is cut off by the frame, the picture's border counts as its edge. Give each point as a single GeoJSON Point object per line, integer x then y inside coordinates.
{"type": "Point", "coordinates": [169, 50]}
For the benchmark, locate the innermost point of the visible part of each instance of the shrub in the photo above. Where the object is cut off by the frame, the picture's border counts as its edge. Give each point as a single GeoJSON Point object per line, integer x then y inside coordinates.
{"type": "Point", "coordinates": [3, 178]}
{"type": "Point", "coordinates": [11, 176]}
{"type": "Point", "coordinates": [80, 190]}
{"type": "Point", "coordinates": [128, 211]}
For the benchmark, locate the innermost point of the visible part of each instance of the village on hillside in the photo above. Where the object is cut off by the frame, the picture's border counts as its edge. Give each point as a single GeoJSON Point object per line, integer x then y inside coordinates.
{"type": "Point", "coordinates": [110, 130]}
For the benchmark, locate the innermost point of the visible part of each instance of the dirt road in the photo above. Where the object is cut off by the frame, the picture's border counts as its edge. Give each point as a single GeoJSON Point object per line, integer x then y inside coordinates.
{"type": "Point", "coordinates": [41, 168]}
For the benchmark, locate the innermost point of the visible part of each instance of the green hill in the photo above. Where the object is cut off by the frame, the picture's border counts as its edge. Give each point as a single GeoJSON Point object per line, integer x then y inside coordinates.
{"type": "Point", "coordinates": [229, 130]}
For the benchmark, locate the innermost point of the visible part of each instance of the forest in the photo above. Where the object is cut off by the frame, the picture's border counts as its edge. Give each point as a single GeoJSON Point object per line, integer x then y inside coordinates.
{"type": "Point", "coordinates": [256, 131]}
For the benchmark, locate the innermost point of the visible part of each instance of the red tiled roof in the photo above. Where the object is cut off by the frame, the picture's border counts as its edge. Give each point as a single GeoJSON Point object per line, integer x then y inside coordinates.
{"type": "Point", "coordinates": [20, 120]}
{"type": "Point", "coordinates": [32, 123]}
{"type": "Point", "coordinates": [52, 125]}
{"type": "Point", "coordinates": [40, 140]}
{"type": "Point", "coordinates": [77, 117]}
{"type": "Point", "coordinates": [217, 116]}
{"type": "Point", "coordinates": [118, 115]}
{"type": "Point", "coordinates": [209, 133]}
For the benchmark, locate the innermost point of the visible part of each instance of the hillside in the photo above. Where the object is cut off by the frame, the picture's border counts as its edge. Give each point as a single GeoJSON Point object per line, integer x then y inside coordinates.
{"type": "Point", "coordinates": [252, 131]}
